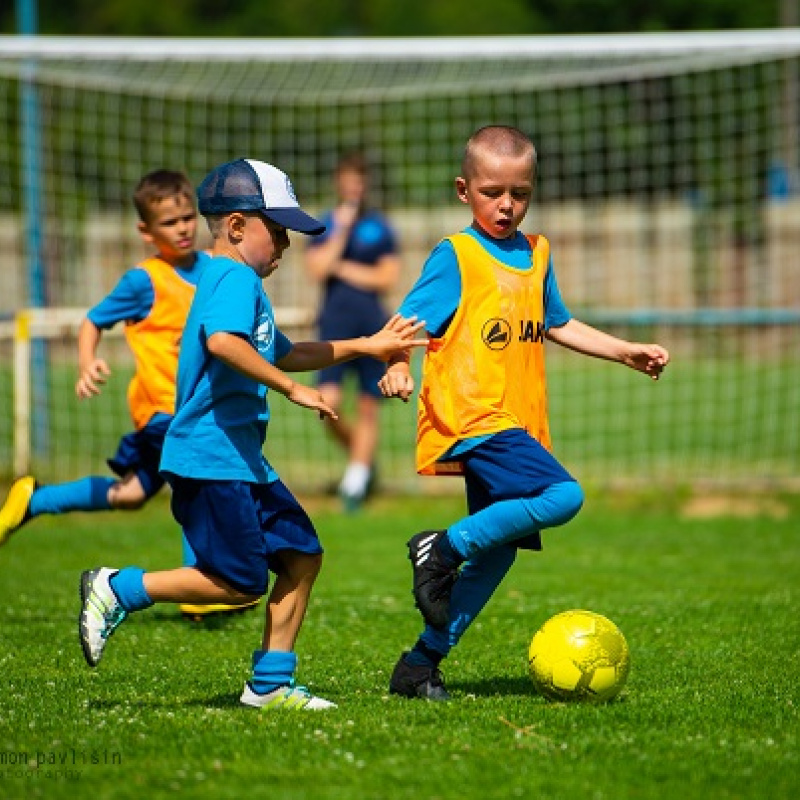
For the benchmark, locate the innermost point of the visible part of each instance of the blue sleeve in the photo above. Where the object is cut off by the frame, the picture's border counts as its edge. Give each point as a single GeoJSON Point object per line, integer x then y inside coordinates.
{"type": "Point", "coordinates": [555, 312]}
{"type": "Point", "coordinates": [436, 294]}
{"type": "Point", "coordinates": [233, 305]}
{"type": "Point", "coordinates": [130, 300]}
{"type": "Point", "coordinates": [283, 345]}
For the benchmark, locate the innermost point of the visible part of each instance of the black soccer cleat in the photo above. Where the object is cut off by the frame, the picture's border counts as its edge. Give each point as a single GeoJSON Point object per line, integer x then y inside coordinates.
{"type": "Point", "coordinates": [433, 578]}
{"type": "Point", "coordinates": [416, 680]}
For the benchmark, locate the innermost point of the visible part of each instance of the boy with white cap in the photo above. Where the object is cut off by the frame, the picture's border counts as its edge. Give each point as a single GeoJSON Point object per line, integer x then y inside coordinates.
{"type": "Point", "coordinates": [239, 518]}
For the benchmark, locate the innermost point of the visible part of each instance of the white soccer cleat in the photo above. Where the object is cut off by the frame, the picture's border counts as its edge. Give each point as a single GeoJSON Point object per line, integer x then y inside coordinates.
{"type": "Point", "coordinates": [295, 698]}
{"type": "Point", "coordinates": [101, 612]}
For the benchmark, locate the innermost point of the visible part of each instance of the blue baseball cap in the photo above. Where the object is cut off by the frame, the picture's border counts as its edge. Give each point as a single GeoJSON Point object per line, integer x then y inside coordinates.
{"type": "Point", "coordinates": [247, 185]}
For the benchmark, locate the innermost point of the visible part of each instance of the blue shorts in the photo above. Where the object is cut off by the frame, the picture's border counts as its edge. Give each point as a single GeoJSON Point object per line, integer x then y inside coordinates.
{"type": "Point", "coordinates": [368, 372]}
{"type": "Point", "coordinates": [237, 529]}
{"type": "Point", "coordinates": [356, 314]}
{"type": "Point", "coordinates": [510, 465]}
{"type": "Point", "coordinates": [140, 452]}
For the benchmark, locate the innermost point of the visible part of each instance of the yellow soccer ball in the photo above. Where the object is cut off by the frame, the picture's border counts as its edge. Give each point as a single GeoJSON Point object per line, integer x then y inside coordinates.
{"type": "Point", "coordinates": [579, 656]}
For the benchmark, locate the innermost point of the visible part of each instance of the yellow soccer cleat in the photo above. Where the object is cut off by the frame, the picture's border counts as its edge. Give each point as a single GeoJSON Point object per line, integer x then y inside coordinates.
{"type": "Point", "coordinates": [13, 512]}
{"type": "Point", "coordinates": [198, 612]}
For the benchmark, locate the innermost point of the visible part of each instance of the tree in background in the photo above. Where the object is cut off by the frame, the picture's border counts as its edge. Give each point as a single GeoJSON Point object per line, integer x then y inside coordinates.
{"type": "Point", "coordinates": [390, 18]}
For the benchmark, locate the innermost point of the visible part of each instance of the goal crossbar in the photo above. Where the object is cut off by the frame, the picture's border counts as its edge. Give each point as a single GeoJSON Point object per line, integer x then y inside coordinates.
{"type": "Point", "coordinates": [391, 48]}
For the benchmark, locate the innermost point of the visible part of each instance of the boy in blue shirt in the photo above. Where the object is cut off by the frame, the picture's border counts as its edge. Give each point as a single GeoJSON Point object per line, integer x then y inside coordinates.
{"type": "Point", "coordinates": [152, 300]}
{"type": "Point", "coordinates": [239, 518]}
{"type": "Point", "coordinates": [356, 261]}
{"type": "Point", "coordinates": [490, 298]}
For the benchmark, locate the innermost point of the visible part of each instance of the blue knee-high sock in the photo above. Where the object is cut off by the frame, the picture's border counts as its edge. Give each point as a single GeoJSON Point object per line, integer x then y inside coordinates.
{"type": "Point", "coordinates": [477, 582]}
{"type": "Point", "coordinates": [487, 539]}
{"type": "Point", "coordinates": [271, 669]}
{"type": "Point", "coordinates": [509, 520]}
{"type": "Point", "coordinates": [86, 494]}
{"type": "Point", "coordinates": [128, 586]}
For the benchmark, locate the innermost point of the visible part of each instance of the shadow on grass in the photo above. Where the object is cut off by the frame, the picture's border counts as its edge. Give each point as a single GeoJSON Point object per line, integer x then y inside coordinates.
{"type": "Point", "coordinates": [225, 702]}
{"type": "Point", "coordinates": [166, 614]}
{"type": "Point", "coordinates": [494, 687]}
{"type": "Point", "coordinates": [513, 687]}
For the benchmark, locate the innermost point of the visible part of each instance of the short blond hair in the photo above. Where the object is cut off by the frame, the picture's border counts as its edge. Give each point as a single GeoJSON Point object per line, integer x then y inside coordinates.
{"type": "Point", "coordinates": [502, 140]}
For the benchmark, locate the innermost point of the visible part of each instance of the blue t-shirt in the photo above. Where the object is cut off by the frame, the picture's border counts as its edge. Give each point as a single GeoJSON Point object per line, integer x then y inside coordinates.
{"type": "Point", "coordinates": [131, 300]}
{"type": "Point", "coordinates": [370, 239]}
{"type": "Point", "coordinates": [436, 295]}
{"type": "Point", "coordinates": [221, 416]}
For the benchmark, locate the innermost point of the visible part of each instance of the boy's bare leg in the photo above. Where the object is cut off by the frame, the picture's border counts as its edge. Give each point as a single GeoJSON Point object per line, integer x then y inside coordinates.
{"type": "Point", "coordinates": [364, 440]}
{"type": "Point", "coordinates": [275, 664]}
{"type": "Point", "coordinates": [127, 494]}
{"type": "Point", "coordinates": [102, 611]}
{"type": "Point", "coordinates": [339, 427]}
{"type": "Point", "coordinates": [288, 600]}
{"type": "Point", "coordinates": [190, 585]}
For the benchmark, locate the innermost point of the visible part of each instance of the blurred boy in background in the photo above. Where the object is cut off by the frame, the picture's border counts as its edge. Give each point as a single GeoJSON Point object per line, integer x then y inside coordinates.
{"type": "Point", "coordinates": [356, 260]}
{"type": "Point", "coordinates": [152, 299]}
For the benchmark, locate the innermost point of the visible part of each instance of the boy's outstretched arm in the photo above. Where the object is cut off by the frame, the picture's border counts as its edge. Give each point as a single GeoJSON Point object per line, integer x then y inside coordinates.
{"type": "Point", "coordinates": [395, 337]}
{"type": "Point", "coordinates": [92, 371]}
{"type": "Point", "coordinates": [238, 354]}
{"type": "Point", "coordinates": [651, 359]}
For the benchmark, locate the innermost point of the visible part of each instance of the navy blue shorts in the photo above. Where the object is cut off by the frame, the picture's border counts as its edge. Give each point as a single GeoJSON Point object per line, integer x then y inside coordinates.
{"type": "Point", "coordinates": [140, 452]}
{"type": "Point", "coordinates": [510, 465]}
{"type": "Point", "coordinates": [368, 371]}
{"type": "Point", "coordinates": [350, 318]}
{"type": "Point", "coordinates": [237, 529]}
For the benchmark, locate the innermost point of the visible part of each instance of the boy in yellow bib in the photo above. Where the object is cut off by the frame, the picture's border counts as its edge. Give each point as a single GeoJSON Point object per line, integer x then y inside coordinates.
{"type": "Point", "coordinates": [490, 298]}
{"type": "Point", "coordinates": [153, 301]}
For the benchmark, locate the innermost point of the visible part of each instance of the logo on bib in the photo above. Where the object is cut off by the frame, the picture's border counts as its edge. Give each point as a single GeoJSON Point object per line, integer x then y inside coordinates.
{"type": "Point", "coordinates": [496, 333]}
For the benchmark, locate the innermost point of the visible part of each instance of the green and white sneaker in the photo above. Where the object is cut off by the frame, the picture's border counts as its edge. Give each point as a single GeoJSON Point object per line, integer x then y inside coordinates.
{"type": "Point", "coordinates": [295, 698]}
{"type": "Point", "coordinates": [101, 612]}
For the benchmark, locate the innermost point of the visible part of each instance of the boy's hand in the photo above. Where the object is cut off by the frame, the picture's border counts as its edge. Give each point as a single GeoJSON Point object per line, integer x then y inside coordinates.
{"type": "Point", "coordinates": [651, 359]}
{"type": "Point", "coordinates": [395, 336]}
{"type": "Point", "coordinates": [91, 378]}
{"type": "Point", "coordinates": [345, 215]}
{"type": "Point", "coordinates": [397, 382]}
{"type": "Point", "coordinates": [309, 397]}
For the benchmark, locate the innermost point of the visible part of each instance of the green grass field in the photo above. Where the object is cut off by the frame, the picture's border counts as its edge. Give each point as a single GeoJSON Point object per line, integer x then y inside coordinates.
{"type": "Point", "coordinates": [726, 418]}
{"type": "Point", "coordinates": [709, 607]}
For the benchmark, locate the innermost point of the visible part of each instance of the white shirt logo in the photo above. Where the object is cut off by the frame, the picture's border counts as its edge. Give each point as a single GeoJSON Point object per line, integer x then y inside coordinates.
{"type": "Point", "coordinates": [264, 333]}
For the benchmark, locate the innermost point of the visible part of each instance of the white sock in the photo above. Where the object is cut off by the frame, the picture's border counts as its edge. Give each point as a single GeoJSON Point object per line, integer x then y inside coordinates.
{"type": "Point", "coordinates": [354, 482]}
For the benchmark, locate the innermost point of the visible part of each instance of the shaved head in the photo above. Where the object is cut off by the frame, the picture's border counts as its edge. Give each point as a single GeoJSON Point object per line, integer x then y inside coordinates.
{"type": "Point", "coordinates": [497, 140]}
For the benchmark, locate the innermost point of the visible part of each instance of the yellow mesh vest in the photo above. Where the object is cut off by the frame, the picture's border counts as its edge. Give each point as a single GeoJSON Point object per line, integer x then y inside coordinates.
{"type": "Point", "coordinates": [486, 374]}
{"type": "Point", "coordinates": [155, 341]}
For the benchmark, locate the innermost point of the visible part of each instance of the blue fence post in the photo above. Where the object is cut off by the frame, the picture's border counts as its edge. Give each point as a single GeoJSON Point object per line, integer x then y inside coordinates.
{"type": "Point", "coordinates": [34, 222]}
